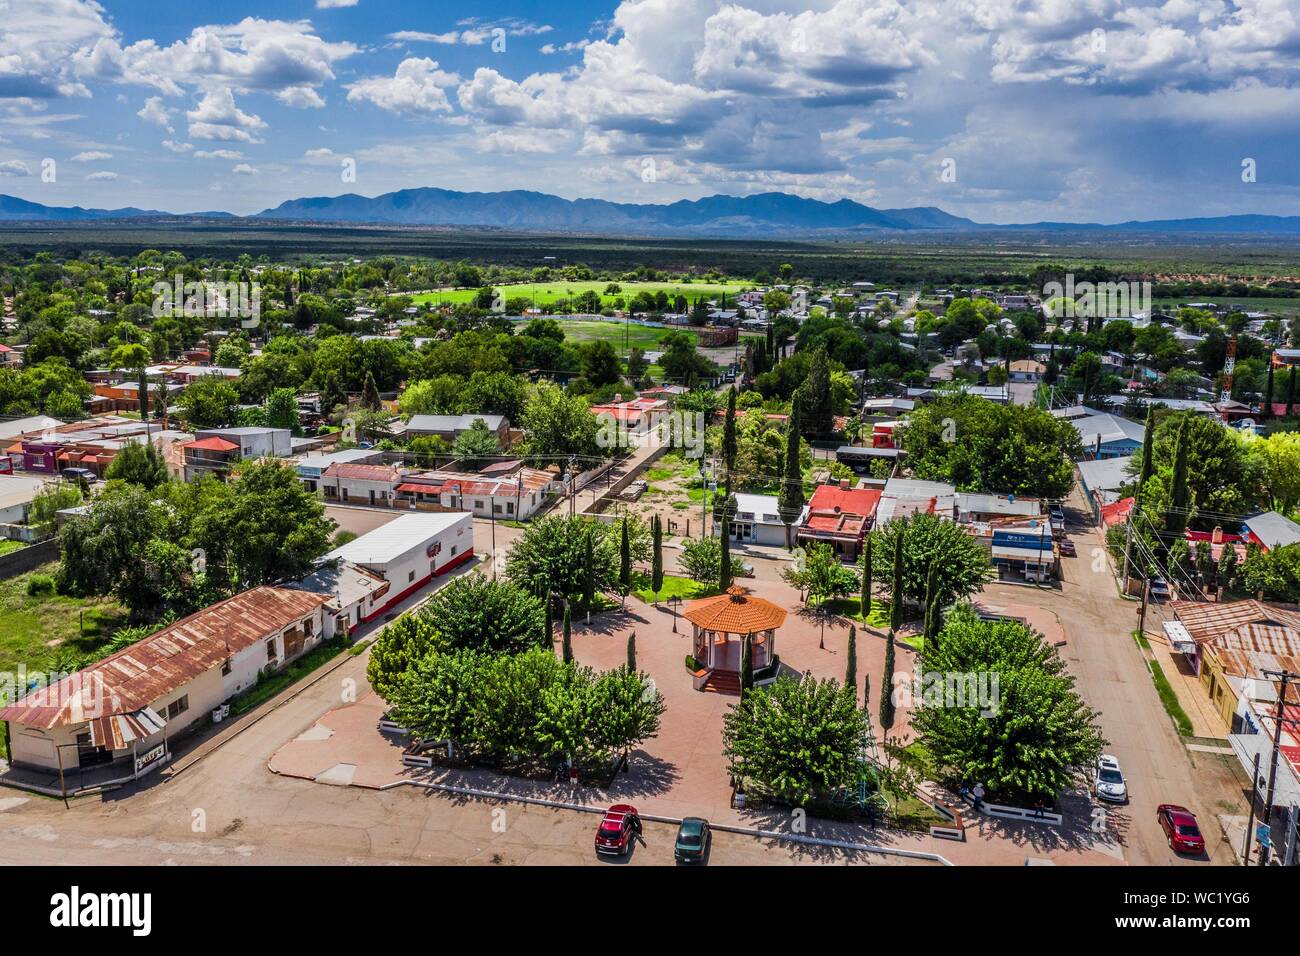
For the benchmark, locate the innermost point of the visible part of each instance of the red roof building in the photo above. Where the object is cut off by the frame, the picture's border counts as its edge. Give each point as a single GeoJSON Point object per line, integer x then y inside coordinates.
{"type": "Point", "coordinates": [840, 517]}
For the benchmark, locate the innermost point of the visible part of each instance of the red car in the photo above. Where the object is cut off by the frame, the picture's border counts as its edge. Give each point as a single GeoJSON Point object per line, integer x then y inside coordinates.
{"type": "Point", "coordinates": [1180, 828]}
{"type": "Point", "coordinates": [1067, 547]}
{"type": "Point", "coordinates": [620, 825]}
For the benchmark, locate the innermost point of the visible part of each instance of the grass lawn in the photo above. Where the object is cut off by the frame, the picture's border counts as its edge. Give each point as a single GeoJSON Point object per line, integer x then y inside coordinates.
{"type": "Point", "coordinates": [674, 586]}
{"type": "Point", "coordinates": [547, 293]}
{"type": "Point", "coordinates": [8, 545]}
{"type": "Point", "coordinates": [30, 625]}
{"type": "Point", "coordinates": [852, 609]}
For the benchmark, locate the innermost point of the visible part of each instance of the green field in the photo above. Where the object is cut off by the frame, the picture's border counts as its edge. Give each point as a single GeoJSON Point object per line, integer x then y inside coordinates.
{"type": "Point", "coordinates": [33, 627]}
{"type": "Point", "coordinates": [623, 335]}
{"type": "Point", "coordinates": [1281, 306]}
{"type": "Point", "coordinates": [547, 293]}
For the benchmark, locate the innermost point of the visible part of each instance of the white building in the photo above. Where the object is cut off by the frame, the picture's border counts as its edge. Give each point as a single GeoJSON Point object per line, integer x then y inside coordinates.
{"type": "Point", "coordinates": [253, 442]}
{"type": "Point", "coordinates": [122, 711]}
{"type": "Point", "coordinates": [757, 521]}
{"type": "Point", "coordinates": [410, 551]}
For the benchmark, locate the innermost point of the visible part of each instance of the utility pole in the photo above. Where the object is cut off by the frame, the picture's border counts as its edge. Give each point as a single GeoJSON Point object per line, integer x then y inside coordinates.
{"type": "Point", "coordinates": [1278, 719]}
{"type": "Point", "coordinates": [1146, 595]}
{"type": "Point", "coordinates": [1250, 822]}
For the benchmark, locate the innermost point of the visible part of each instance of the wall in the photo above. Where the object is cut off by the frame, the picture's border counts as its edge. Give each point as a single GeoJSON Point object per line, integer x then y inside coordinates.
{"type": "Point", "coordinates": [28, 558]}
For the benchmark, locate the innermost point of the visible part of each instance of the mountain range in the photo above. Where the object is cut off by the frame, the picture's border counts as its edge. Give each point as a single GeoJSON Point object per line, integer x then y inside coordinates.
{"type": "Point", "coordinates": [759, 215]}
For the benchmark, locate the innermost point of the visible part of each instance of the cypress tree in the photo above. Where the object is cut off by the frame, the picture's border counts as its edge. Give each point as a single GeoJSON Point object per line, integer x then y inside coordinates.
{"type": "Point", "coordinates": [931, 605]}
{"type": "Point", "coordinates": [1148, 440]}
{"type": "Point", "coordinates": [816, 390]}
{"type": "Point", "coordinates": [724, 571]}
{"type": "Point", "coordinates": [657, 559]}
{"type": "Point", "coordinates": [588, 574]}
{"type": "Point", "coordinates": [866, 579]}
{"type": "Point", "coordinates": [1176, 520]}
{"type": "Point", "coordinates": [851, 660]}
{"type": "Point", "coordinates": [631, 653]}
{"type": "Point", "coordinates": [729, 434]}
{"type": "Point", "coordinates": [887, 682]}
{"type": "Point", "coordinates": [624, 561]}
{"type": "Point", "coordinates": [790, 501]}
{"type": "Point", "coordinates": [747, 664]}
{"type": "Point", "coordinates": [1268, 392]}
{"type": "Point", "coordinates": [566, 648]}
{"type": "Point", "coordinates": [1290, 393]}
{"type": "Point", "coordinates": [370, 393]}
{"type": "Point", "coordinates": [548, 639]}
{"type": "Point", "coordinates": [896, 586]}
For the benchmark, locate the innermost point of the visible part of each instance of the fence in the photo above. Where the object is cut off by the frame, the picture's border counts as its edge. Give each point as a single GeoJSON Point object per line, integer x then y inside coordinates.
{"type": "Point", "coordinates": [28, 558]}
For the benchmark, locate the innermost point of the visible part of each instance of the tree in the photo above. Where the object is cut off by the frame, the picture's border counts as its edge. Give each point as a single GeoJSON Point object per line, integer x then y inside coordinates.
{"type": "Point", "coordinates": [729, 433]}
{"type": "Point", "coordinates": [474, 611]}
{"type": "Point", "coordinates": [282, 410]}
{"type": "Point", "coordinates": [49, 501]}
{"type": "Point", "coordinates": [1027, 733]}
{"type": "Point", "coordinates": [566, 646]}
{"type": "Point", "coordinates": [724, 558]}
{"type": "Point", "coordinates": [631, 652]}
{"type": "Point", "coordinates": [436, 698]}
{"type": "Point", "coordinates": [624, 558]}
{"type": "Point", "coordinates": [589, 572]}
{"type": "Point", "coordinates": [477, 441]}
{"type": "Point", "coordinates": [1277, 461]}
{"type": "Point", "coordinates": [1176, 517]}
{"type": "Point", "coordinates": [550, 557]}
{"type": "Point", "coordinates": [746, 664]}
{"type": "Point", "coordinates": [962, 563]}
{"type": "Point", "coordinates": [794, 740]}
{"type": "Point", "coordinates": [896, 586]}
{"type": "Point", "coordinates": [866, 578]}
{"type": "Point", "coordinates": [851, 661]}
{"type": "Point", "coordinates": [887, 685]}
{"type": "Point", "coordinates": [702, 558]}
{"type": "Point", "coordinates": [370, 400]}
{"type": "Point", "coordinates": [557, 425]}
{"type": "Point", "coordinates": [790, 501]}
{"type": "Point", "coordinates": [1227, 566]}
{"type": "Point", "coordinates": [139, 464]}
{"type": "Point", "coordinates": [820, 573]}
{"type": "Point", "coordinates": [657, 561]}
{"type": "Point", "coordinates": [209, 402]}
{"type": "Point", "coordinates": [931, 606]}
{"type": "Point", "coordinates": [814, 398]}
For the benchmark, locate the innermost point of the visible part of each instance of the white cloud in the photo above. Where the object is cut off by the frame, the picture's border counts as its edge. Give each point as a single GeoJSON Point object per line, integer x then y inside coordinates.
{"type": "Point", "coordinates": [14, 167]}
{"type": "Point", "coordinates": [103, 176]}
{"type": "Point", "coordinates": [175, 147]}
{"type": "Point", "coordinates": [300, 97]}
{"type": "Point", "coordinates": [91, 156]}
{"type": "Point", "coordinates": [218, 118]}
{"type": "Point", "coordinates": [334, 4]}
{"type": "Point", "coordinates": [243, 169]}
{"type": "Point", "coordinates": [418, 86]}
{"type": "Point", "coordinates": [218, 154]}
{"type": "Point", "coordinates": [155, 112]}
{"type": "Point", "coordinates": [321, 153]}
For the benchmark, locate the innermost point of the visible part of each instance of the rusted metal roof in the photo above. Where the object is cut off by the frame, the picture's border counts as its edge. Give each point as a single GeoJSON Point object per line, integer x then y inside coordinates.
{"type": "Point", "coordinates": [1207, 620]}
{"type": "Point", "coordinates": [117, 731]}
{"type": "Point", "coordinates": [136, 676]}
{"type": "Point", "coordinates": [362, 472]}
{"type": "Point", "coordinates": [736, 612]}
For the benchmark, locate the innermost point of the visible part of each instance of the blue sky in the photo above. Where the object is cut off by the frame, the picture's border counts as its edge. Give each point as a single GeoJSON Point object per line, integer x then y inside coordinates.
{"type": "Point", "coordinates": [1001, 110]}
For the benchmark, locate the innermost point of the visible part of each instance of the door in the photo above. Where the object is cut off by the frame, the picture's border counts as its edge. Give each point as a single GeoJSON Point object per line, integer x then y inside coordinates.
{"type": "Point", "coordinates": [88, 755]}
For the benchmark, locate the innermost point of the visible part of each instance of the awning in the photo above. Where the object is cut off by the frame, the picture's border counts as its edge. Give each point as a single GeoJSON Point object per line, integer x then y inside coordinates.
{"type": "Point", "coordinates": [413, 488]}
{"type": "Point", "coordinates": [1180, 639]}
{"type": "Point", "coordinates": [1028, 555]}
{"type": "Point", "coordinates": [119, 730]}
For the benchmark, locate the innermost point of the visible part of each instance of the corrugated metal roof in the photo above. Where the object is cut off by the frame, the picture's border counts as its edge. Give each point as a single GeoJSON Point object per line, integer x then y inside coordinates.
{"type": "Point", "coordinates": [401, 536]}
{"type": "Point", "coordinates": [136, 676]}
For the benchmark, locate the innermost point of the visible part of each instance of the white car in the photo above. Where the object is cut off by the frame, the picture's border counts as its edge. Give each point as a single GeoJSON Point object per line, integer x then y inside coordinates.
{"type": "Point", "coordinates": [1108, 780]}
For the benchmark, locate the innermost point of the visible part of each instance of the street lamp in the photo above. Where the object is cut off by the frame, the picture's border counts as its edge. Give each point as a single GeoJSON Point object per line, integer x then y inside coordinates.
{"type": "Point", "coordinates": [674, 602]}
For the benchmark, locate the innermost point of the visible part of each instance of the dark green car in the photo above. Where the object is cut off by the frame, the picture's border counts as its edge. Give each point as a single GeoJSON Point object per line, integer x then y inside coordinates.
{"type": "Point", "coordinates": [692, 840]}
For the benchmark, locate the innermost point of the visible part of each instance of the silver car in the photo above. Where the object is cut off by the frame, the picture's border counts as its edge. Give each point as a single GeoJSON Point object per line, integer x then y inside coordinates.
{"type": "Point", "coordinates": [1108, 780]}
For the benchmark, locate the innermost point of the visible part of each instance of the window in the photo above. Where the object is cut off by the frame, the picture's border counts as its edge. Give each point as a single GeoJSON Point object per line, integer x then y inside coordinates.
{"type": "Point", "coordinates": [225, 667]}
{"type": "Point", "coordinates": [307, 626]}
{"type": "Point", "coordinates": [178, 707]}
{"type": "Point", "coordinates": [510, 507]}
{"type": "Point", "coordinates": [453, 550]}
{"type": "Point", "coordinates": [270, 649]}
{"type": "Point", "coordinates": [478, 504]}
{"type": "Point", "coordinates": [410, 576]}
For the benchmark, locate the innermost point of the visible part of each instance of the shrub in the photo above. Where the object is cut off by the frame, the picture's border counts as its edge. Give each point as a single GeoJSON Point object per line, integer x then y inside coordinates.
{"type": "Point", "coordinates": [39, 584]}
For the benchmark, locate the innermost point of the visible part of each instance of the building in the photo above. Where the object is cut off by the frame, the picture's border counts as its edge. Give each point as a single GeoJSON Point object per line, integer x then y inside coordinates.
{"type": "Point", "coordinates": [451, 427]}
{"type": "Point", "coordinates": [9, 357]}
{"type": "Point", "coordinates": [125, 709]}
{"type": "Point", "coordinates": [983, 507]}
{"type": "Point", "coordinates": [757, 521]}
{"type": "Point", "coordinates": [355, 594]}
{"type": "Point", "coordinates": [410, 551]}
{"type": "Point", "coordinates": [839, 516]}
{"type": "Point", "coordinates": [207, 456]}
{"type": "Point", "coordinates": [720, 626]}
{"type": "Point", "coordinates": [16, 497]}
{"type": "Point", "coordinates": [187, 374]}
{"type": "Point", "coordinates": [638, 416]}
{"type": "Point", "coordinates": [360, 484]}
{"type": "Point", "coordinates": [488, 494]}
{"type": "Point", "coordinates": [1271, 531]}
{"type": "Point", "coordinates": [254, 442]}
{"type": "Point", "coordinates": [909, 496]}
{"type": "Point", "coordinates": [1026, 370]}
{"type": "Point", "coordinates": [92, 444]}
{"type": "Point", "coordinates": [1102, 479]}
{"type": "Point", "coordinates": [1109, 436]}
{"type": "Point", "coordinates": [311, 467]}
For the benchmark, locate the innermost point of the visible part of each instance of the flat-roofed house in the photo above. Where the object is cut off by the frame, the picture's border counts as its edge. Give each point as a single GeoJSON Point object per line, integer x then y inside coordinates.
{"type": "Point", "coordinates": [451, 427]}
{"type": "Point", "coordinates": [840, 517]}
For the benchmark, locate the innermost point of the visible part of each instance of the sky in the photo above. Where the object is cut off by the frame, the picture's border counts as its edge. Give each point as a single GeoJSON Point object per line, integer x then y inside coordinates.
{"type": "Point", "coordinates": [999, 110]}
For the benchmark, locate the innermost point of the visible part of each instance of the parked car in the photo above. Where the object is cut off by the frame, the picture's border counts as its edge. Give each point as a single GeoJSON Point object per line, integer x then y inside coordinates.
{"type": "Point", "coordinates": [1159, 589]}
{"type": "Point", "coordinates": [1180, 828]}
{"type": "Point", "coordinates": [1108, 780]}
{"type": "Point", "coordinates": [620, 825]}
{"type": "Point", "coordinates": [692, 840]}
{"type": "Point", "coordinates": [79, 474]}
{"type": "Point", "coordinates": [1067, 548]}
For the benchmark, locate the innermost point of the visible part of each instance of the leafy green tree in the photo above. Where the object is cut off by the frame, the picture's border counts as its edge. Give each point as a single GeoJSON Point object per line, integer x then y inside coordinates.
{"type": "Point", "coordinates": [49, 501]}
{"type": "Point", "coordinates": [821, 574]}
{"type": "Point", "coordinates": [657, 562]}
{"type": "Point", "coordinates": [566, 646]}
{"type": "Point", "coordinates": [746, 664]}
{"type": "Point", "coordinates": [477, 612]}
{"type": "Point", "coordinates": [814, 398]}
{"type": "Point", "coordinates": [557, 425]}
{"type": "Point", "coordinates": [631, 652]}
{"type": "Point", "coordinates": [436, 698]}
{"type": "Point", "coordinates": [896, 585]}
{"type": "Point", "coordinates": [866, 578]}
{"type": "Point", "coordinates": [478, 441]}
{"type": "Point", "coordinates": [962, 563]}
{"type": "Point", "coordinates": [794, 740]}
{"type": "Point", "coordinates": [209, 402]}
{"type": "Point", "coordinates": [550, 556]}
{"type": "Point", "coordinates": [398, 649]}
{"type": "Point", "coordinates": [729, 433]}
{"type": "Point", "coordinates": [624, 558]}
{"type": "Point", "coordinates": [1176, 518]}
{"type": "Point", "coordinates": [1029, 738]}
{"type": "Point", "coordinates": [140, 464]}
{"type": "Point", "coordinates": [701, 559]}
{"type": "Point", "coordinates": [281, 410]}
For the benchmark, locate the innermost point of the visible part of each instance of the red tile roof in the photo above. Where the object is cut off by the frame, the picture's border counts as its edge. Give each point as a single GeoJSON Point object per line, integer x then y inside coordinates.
{"type": "Point", "coordinates": [1116, 512]}
{"type": "Point", "coordinates": [140, 674]}
{"type": "Point", "coordinates": [841, 511]}
{"type": "Point", "coordinates": [736, 612]}
{"type": "Point", "coordinates": [211, 444]}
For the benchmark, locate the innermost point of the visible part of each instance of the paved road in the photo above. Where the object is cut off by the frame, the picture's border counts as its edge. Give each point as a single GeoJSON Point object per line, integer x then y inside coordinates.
{"type": "Point", "coordinates": [1112, 677]}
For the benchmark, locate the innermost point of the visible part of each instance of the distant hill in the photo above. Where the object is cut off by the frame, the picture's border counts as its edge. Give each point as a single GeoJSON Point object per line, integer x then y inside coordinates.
{"type": "Point", "coordinates": [760, 215]}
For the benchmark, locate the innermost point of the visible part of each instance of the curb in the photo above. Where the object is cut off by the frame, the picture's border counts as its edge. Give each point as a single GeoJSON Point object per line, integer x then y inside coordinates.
{"type": "Point", "coordinates": [654, 818]}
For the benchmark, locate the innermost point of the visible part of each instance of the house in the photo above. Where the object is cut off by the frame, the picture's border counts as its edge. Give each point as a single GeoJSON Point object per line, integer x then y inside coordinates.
{"type": "Point", "coordinates": [1102, 479]}
{"type": "Point", "coordinates": [839, 516]}
{"type": "Point", "coordinates": [9, 357]}
{"type": "Point", "coordinates": [1109, 436]}
{"type": "Point", "coordinates": [1232, 645]}
{"type": "Point", "coordinates": [360, 484]}
{"type": "Point", "coordinates": [637, 416]}
{"type": "Point", "coordinates": [1027, 370]}
{"type": "Point", "coordinates": [92, 444]}
{"type": "Point", "coordinates": [355, 594]}
{"type": "Point", "coordinates": [1115, 513]}
{"type": "Point", "coordinates": [188, 374]}
{"type": "Point", "coordinates": [16, 497]}
{"type": "Point", "coordinates": [254, 442]}
{"type": "Point", "coordinates": [491, 493]}
{"type": "Point", "coordinates": [974, 508]}
{"type": "Point", "coordinates": [909, 496]}
{"type": "Point", "coordinates": [125, 396]}
{"type": "Point", "coordinates": [311, 467]}
{"type": "Point", "coordinates": [451, 427]}
{"type": "Point", "coordinates": [125, 710]}
{"type": "Point", "coordinates": [1271, 531]}
{"type": "Point", "coordinates": [410, 551]}
{"type": "Point", "coordinates": [757, 521]}
{"type": "Point", "coordinates": [888, 407]}
{"type": "Point", "coordinates": [207, 456]}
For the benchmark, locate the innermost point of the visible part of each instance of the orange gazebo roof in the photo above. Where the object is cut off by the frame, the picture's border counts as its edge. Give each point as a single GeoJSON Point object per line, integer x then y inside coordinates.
{"type": "Point", "coordinates": [735, 612]}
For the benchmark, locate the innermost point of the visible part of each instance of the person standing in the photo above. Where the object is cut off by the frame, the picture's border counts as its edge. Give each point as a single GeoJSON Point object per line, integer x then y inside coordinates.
{"type": "Point", "coordinates": [978, 794]}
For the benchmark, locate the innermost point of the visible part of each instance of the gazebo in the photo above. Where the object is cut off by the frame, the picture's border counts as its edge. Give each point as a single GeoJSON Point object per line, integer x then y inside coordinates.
{"type": "Point", "coordinates": [720, 624]}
